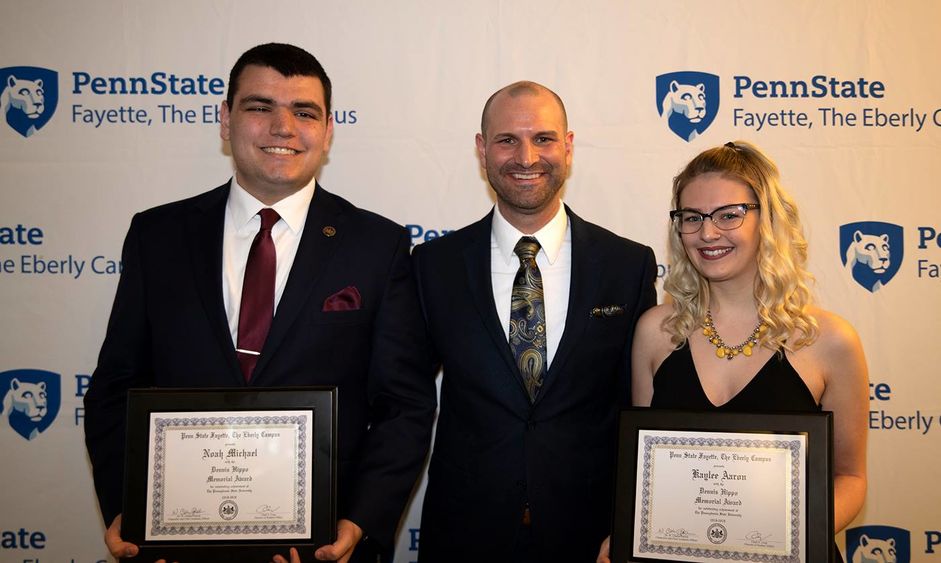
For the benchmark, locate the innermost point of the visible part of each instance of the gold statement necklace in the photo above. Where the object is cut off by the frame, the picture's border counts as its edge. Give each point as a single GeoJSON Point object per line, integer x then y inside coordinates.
{"type": "Point", "coordinates": [723, 350]}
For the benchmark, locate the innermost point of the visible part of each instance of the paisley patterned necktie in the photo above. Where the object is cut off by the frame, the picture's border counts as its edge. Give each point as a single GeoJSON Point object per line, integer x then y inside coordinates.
{"type": "Point", "coordinates": [528, 318]}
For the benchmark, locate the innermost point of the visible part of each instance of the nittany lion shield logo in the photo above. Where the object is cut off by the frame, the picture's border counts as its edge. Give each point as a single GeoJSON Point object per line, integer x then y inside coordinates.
{"type": "Point", "coordinates": [28, 97]}
{"type": "Point", "coordinates": [688, 102]}
{"type": "Point", "coordinates": [882, 544]}
{"type": "Point", "coordinates": [871, 252]}
{"type": "Point", "coordinates": [30, 399]}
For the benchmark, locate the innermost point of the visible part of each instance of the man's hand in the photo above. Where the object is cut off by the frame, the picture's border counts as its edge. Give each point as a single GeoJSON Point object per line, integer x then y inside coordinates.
{"type": "Point", "coordinates": [118, 547]}
{"type": "Point", "coordinates": [348, 535]}
{"type": "Point", "coordinates": [295, 558]}
{"type": "Point", "coordinates": [604, 552]}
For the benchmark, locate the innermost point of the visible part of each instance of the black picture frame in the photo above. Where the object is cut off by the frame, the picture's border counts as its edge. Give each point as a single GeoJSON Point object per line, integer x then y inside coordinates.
{"type": "Point", "coordinates": [321, 402]}
{"type": "Point", "coordinates": [818, 467]}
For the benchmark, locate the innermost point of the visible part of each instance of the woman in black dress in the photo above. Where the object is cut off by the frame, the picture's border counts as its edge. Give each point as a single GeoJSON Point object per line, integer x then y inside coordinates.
{"type": "Point", "coordinates": [740, 330]}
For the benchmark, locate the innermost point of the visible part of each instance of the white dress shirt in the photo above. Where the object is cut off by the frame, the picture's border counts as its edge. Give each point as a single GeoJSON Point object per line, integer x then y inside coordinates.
{"type": "Point", "coordinates": [555, 264]}
{"type": "Point", "coordinates": [242, 223]}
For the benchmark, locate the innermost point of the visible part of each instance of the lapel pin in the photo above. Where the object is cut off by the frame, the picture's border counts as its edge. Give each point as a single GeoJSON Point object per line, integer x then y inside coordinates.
{"type": "Point", "coordinates": [329, 231]}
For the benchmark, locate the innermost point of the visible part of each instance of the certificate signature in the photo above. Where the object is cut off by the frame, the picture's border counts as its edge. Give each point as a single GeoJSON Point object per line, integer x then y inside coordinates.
{"type": "Point", "coordinates": [268, 511]}
{"type": "Point", "coordinates": [187, 512]}
{"type": "Point", "coordinates": [755, 537]}
{"type": "Point", "coordinates": [675, 534]}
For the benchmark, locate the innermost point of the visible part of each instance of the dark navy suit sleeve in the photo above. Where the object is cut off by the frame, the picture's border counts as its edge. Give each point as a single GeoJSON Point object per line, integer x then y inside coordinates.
{"type": "Point", "coordinates": [646, 298]}
{"type": "Point", "coordinates": [124, 362]}
{"type": "Point", "coordinates": [418, 254]}
{"type": "Point", "coordinates": [402, 397]}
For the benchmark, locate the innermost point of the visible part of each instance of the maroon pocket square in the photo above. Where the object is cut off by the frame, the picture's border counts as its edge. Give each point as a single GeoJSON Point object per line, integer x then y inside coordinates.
{"type": "Point", "coordinates": [347, 299]}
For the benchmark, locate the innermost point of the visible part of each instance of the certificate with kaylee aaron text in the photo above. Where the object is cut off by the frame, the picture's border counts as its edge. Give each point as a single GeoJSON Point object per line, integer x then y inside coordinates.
{"type": "Point", "coordinates": [696, 486]}
{"type": "Point", "coordinates": [222, 475]}
{"type": "Point", "coordinates": [716, 494]}
{"type": "Point", "coordinates": [230, 475]}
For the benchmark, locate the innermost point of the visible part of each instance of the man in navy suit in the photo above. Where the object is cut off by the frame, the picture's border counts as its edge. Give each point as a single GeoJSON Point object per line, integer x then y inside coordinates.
{"type": "Point", "coordinates": [345, 309]}
{"type": "Point", "coordinates": [531, 312]}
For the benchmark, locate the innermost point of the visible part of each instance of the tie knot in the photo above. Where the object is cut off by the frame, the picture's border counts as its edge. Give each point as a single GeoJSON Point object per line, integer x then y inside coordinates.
{"type": "Point", "coordinates": [268, 218]}
{"type": "Point", "coordinates": [526, 248]}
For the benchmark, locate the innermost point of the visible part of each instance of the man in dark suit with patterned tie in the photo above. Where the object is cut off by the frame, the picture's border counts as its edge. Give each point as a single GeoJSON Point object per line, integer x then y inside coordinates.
{"type": "Point", "coordinates": [531, 312]}
{"type": "Point", "coordinates": [270, 280]}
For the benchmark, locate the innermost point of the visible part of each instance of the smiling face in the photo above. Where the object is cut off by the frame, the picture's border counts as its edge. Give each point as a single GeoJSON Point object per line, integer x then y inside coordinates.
{"type": "Point", "coordinates": [526, 152]}
{"type": "Point", "coordinates": [279, 131]}
{"type": "Point", "coordinates": [716, 254]}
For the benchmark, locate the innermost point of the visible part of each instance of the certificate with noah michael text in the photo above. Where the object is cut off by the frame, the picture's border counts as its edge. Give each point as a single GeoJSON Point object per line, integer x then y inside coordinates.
{"type": "Point", "coordinates": [229, 475]}
{"type": "Point", "coordinates": [218, 475]}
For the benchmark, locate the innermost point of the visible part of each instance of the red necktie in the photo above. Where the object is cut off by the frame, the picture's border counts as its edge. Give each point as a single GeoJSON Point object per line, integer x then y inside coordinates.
{"type": "Point", "coordinates": [257, 307]}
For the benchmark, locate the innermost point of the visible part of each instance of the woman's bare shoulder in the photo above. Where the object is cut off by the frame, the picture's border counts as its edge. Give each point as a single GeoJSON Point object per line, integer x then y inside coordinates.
{"type": "Point", "coordinates": [650, 325]}
{"type": "Point", "coordinates": [651, 338]}
{"type": "Point", "coordinates": [837, 352]}
{"type": "Point", "coordinates": [656, 314]}
{"type": "Point", "coordinates": [835, 336]}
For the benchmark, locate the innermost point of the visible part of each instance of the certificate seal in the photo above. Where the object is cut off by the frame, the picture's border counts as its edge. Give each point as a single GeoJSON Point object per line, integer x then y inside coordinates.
{"type": "Point", "coordinates": [717, 533]}
{"type": "Point", "coordinates": [228, 510]}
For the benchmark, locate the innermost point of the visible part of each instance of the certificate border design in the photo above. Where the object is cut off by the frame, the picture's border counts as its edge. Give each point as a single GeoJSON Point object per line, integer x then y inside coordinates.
{"type": "Point", "coordinates": [320, 402]}
{"type": "Point", "coordinates": [160, 427]}
{"type": "Point", "coordinates": [816, 540]}
{"type": "Point", "coordinates": [793, 445]}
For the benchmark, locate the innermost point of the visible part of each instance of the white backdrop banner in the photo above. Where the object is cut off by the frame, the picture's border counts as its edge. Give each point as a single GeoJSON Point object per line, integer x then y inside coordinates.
{"type": "Point", "coordinates": [843, 95]}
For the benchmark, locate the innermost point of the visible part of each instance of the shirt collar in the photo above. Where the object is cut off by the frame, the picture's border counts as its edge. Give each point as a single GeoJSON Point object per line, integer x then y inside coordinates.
{"type": "Point", "coordinates": [550, 236]}
{"type": "Point", "coordinates": [292, 209]}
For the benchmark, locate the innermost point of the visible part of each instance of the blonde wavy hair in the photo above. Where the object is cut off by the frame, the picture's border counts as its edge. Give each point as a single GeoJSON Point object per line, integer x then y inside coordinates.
{"type": "Point", "coordinates": [782, 289]}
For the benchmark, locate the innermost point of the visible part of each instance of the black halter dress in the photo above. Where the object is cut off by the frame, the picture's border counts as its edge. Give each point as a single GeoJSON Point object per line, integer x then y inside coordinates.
{"type": "Point", "coordinates": [776, 387]}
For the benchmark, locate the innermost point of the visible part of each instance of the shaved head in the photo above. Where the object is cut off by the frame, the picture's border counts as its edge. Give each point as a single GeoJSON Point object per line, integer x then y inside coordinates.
{"type": "Point", "coordinates": [515, 90]}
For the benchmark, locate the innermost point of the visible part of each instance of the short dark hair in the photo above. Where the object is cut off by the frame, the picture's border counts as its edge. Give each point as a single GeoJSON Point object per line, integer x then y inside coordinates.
{"type": "Point", "coordinates": [523, 87]}
{"type": "Point", "coordinates": [288, 60]}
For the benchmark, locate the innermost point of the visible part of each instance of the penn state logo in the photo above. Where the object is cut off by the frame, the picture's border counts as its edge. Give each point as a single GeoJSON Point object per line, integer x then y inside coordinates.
{"type": "Point", "coordinates": [28, 97]}
{"type": "Point", "coordinates": [30, 400]}
{"type": "Point", "coordinates": [871, 252]}
{"type": "Point", "coordinates": [878, 544]}
{"type": "Point", "coordinates": [688, 102]}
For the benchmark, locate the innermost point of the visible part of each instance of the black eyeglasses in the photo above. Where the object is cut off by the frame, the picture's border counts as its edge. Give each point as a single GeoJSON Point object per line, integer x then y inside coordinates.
{"type": "Point", "coordinates": [727, 217]}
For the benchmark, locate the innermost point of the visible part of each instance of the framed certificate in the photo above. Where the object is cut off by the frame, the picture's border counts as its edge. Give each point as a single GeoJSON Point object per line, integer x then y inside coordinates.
{"type": "Point", "coordinates": [716, 486]}
{"type": "Point", "coordinates": [229, 474]}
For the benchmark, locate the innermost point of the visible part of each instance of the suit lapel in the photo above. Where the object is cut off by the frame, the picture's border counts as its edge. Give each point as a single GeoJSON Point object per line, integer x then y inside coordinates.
{"type": "Point", "coordinates": [480, 284]}
{"type": "Point", "coordinates": [314, 252]}
{"type": "Point", "coordinates": [586, 271]}
{"type": "Point", "coordinates": [204, 228]}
